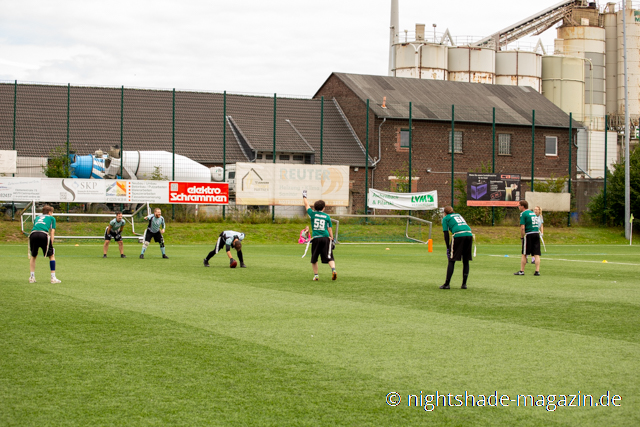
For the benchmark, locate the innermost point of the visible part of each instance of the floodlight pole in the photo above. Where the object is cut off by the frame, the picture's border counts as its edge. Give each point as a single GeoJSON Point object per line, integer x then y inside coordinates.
{"type": "Point", "coordinates": [627, 184]}
{"type": "Point", "coordinates": [173, 148]}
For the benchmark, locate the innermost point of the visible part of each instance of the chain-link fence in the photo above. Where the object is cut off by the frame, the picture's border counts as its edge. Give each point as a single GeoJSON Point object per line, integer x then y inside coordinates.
{"type": "Point", "coordinates": [101, 132]}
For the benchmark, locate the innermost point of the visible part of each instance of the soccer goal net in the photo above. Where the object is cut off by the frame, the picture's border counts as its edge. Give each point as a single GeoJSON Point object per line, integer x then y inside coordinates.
{"type": "Point", "coordinates": [381, 229]}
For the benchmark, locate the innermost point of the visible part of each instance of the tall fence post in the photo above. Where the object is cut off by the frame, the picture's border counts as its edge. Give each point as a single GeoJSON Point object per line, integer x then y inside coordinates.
{"type": "Point", "coordinates": [173, 146]}
{"type": "Point", "coordinates": [66, 164]}
{"type": "Point", "coordinates": [570, 172]}
{"type": "Point", "coordinates": [224, 142]}
{"type": "Point", "coordinates": [366, 165]}
{"type": "Point", "coordinates": [453, 149]}
{"type": "Point", "coordinates": [533, 146]}
{"type": "Point", "coordinates": [493, 160]}
{"type": "Point", "coordinates": [410, 143]}
{"type": "Point", "coordinates": [604, 194]}
{"type": "Point", "coordinates": [122, 136]}
{"type": "Point", "coordinates": [275, 98]}
{"type": "Point", "coordinates": [321, 126]}
{"type": "Point", "coordinates": [15, 103]}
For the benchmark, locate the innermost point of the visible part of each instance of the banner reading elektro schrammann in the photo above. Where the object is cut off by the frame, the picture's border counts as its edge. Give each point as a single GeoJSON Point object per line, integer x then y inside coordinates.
{"type": "Point", "coordinates": [404, 201]}
{"type": "Point", "coordinates": [281, 184]}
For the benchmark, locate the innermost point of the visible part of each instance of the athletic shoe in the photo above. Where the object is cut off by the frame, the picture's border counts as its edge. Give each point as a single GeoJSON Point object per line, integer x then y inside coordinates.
{"type": "Point", "coordinates": [464, 286]}
{"type": "Point", "coordinates": [243, 265]}
{"type": "Point", "coordinates": [315, 278]}
{"type": "Point", "coordinates": [533, 261]}
{"type": "Point", "coordinates": [537, 273]}
{"type": "Point", "coordinates": [445, 286]}
{"type": "Point", "coordinates": [205, 262]}
{"type": "Point", "coordinates": [141, 256]}
{"type": "Point", "coordinates": [32, 279]}
{"type": "Point", "coordinates": [164, 256]}
{"type": "Point", "coordinates": [104, 256]}
{"type": "Point", "coordinates": [334, 275]}
{"type": "Point", "coordinates": [519, 273]}
{"type": "Point", "coordinates": [123, 256]}
{"type": "Point", "coordinates": [56, 280]}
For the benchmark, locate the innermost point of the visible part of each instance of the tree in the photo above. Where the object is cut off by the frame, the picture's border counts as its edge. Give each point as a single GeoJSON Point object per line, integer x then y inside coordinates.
{"type": "Point", "coordinates": [58, 164]}
{"type": "Point", "coordinates": [614, 212]}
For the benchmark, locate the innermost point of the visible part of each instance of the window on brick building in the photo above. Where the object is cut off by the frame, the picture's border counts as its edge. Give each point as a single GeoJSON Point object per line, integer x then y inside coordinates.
{"type": "Point", "coordinates": [284, 157]}
{"type": "Point", "coordinates": [504, 144]}
{"type": "Point", "coordinates": [268, 156]}
{"type": "Point", "coordinates": [457, 141]}
{"type": "Point", "coordinates": [551, 145]}
{"type": "Point", "coordinates": [404, 138]}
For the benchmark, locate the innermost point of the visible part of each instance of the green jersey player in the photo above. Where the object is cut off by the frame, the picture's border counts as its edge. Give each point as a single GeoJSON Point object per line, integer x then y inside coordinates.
{"type": "Point", "coordinates": [459, 244]}
{"type": "Point", "coordinates": [530, 236]}
{"type": "Point", "coordinates": [41, 237]}
{"type": "Point", "coordinates": [322, 243]}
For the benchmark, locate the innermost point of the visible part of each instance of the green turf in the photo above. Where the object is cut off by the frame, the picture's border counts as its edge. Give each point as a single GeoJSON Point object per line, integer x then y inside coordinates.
{"type": "Point", "coordinates": [169, 342]}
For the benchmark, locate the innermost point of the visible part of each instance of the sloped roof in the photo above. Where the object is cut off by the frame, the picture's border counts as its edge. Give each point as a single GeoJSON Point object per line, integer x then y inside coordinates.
{"type": "Point", "coordinates": [95, 123]}
{"type": "Point", "coordinates": [474, 102]}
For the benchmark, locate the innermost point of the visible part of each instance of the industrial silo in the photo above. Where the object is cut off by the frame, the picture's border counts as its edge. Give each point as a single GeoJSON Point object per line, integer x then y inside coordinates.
{"type": "Point", "coordinates": [611, 51]}
{"type": "Point", "coordinates": [563, 83]}
{"type": "Point", "coordinates": [407, 60]}
{"type": "Point", "coordinates": [633, 60]}
{"type": "Point", "coordinates": [472, 64]}
{"type": "Point", "coordinates": [434, 61]}
{"type": "Point", "coordinates": [519, 68]}
{"type": "Point", "coordinates": [588, 42]}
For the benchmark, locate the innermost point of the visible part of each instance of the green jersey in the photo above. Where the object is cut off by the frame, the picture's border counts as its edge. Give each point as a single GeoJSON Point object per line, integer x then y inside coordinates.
{"type": "Point", "coordinates": [456, 225]}
{"type": "Point", "coordinates": [44, 223]}
{"type": "Point", "coordinates": [320, 223]}
{"type": "Point", "coordinates": [530, 221]}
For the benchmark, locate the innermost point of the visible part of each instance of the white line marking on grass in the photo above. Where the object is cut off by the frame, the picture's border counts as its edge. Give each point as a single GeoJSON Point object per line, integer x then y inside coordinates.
{"type": "Point", "coordinates": [579, 260]}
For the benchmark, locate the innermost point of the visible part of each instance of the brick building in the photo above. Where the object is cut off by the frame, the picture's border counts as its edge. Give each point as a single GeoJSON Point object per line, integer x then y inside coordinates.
{"type": "Point", "coordinates": [431, 112]}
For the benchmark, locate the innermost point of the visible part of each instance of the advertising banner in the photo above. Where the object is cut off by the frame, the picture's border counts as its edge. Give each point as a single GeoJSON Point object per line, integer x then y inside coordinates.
{"type": "Point", "coordinates": [406, 201]}
{"type": "Point", "coordinates": [8, 161]}
{"type": "Point", "coordinates": [112, 191]}
{"type": "Point", "coordinates": [491, 189]}
{"type": "Point", "coordinates": [281, 184]}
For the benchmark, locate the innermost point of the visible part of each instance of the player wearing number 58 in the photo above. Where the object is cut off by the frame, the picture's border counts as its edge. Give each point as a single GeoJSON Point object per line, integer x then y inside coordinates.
{"type": "Point", "coordinates": [322, 243]}
{"type": "Point", "coordinates": [459, 244]}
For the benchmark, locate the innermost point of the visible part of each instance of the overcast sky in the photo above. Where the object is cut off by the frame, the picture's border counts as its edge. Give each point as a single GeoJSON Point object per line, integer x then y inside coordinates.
{"type": "Point", "coordinates": [243, 46]}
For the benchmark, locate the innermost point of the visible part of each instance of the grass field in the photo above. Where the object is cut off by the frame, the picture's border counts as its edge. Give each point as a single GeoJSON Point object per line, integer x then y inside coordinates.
{"type": "Point", "coordinates": [169, 342]}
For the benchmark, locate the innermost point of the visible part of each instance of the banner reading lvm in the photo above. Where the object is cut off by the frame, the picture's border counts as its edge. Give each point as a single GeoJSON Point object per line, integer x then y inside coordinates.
{"type": "Point", "coordinates": [403, 201]}
{"type": "Point", "coordinates": [71, 190]}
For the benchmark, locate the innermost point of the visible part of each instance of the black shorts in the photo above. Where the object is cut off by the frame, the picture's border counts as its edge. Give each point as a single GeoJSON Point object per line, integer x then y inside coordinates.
{"type": "Point", "coordinates": [40, 240]}
{"type": "Point", "coordinates": [157, 236]}
{"type": "Point", "coordinates": [531, 244]}
{"type": "Point", "coordinates": [461, 248]}
{"type": "Point", "coordinates": [112, 235]}
{"type": "Point", "coordinates": [321, 247]}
